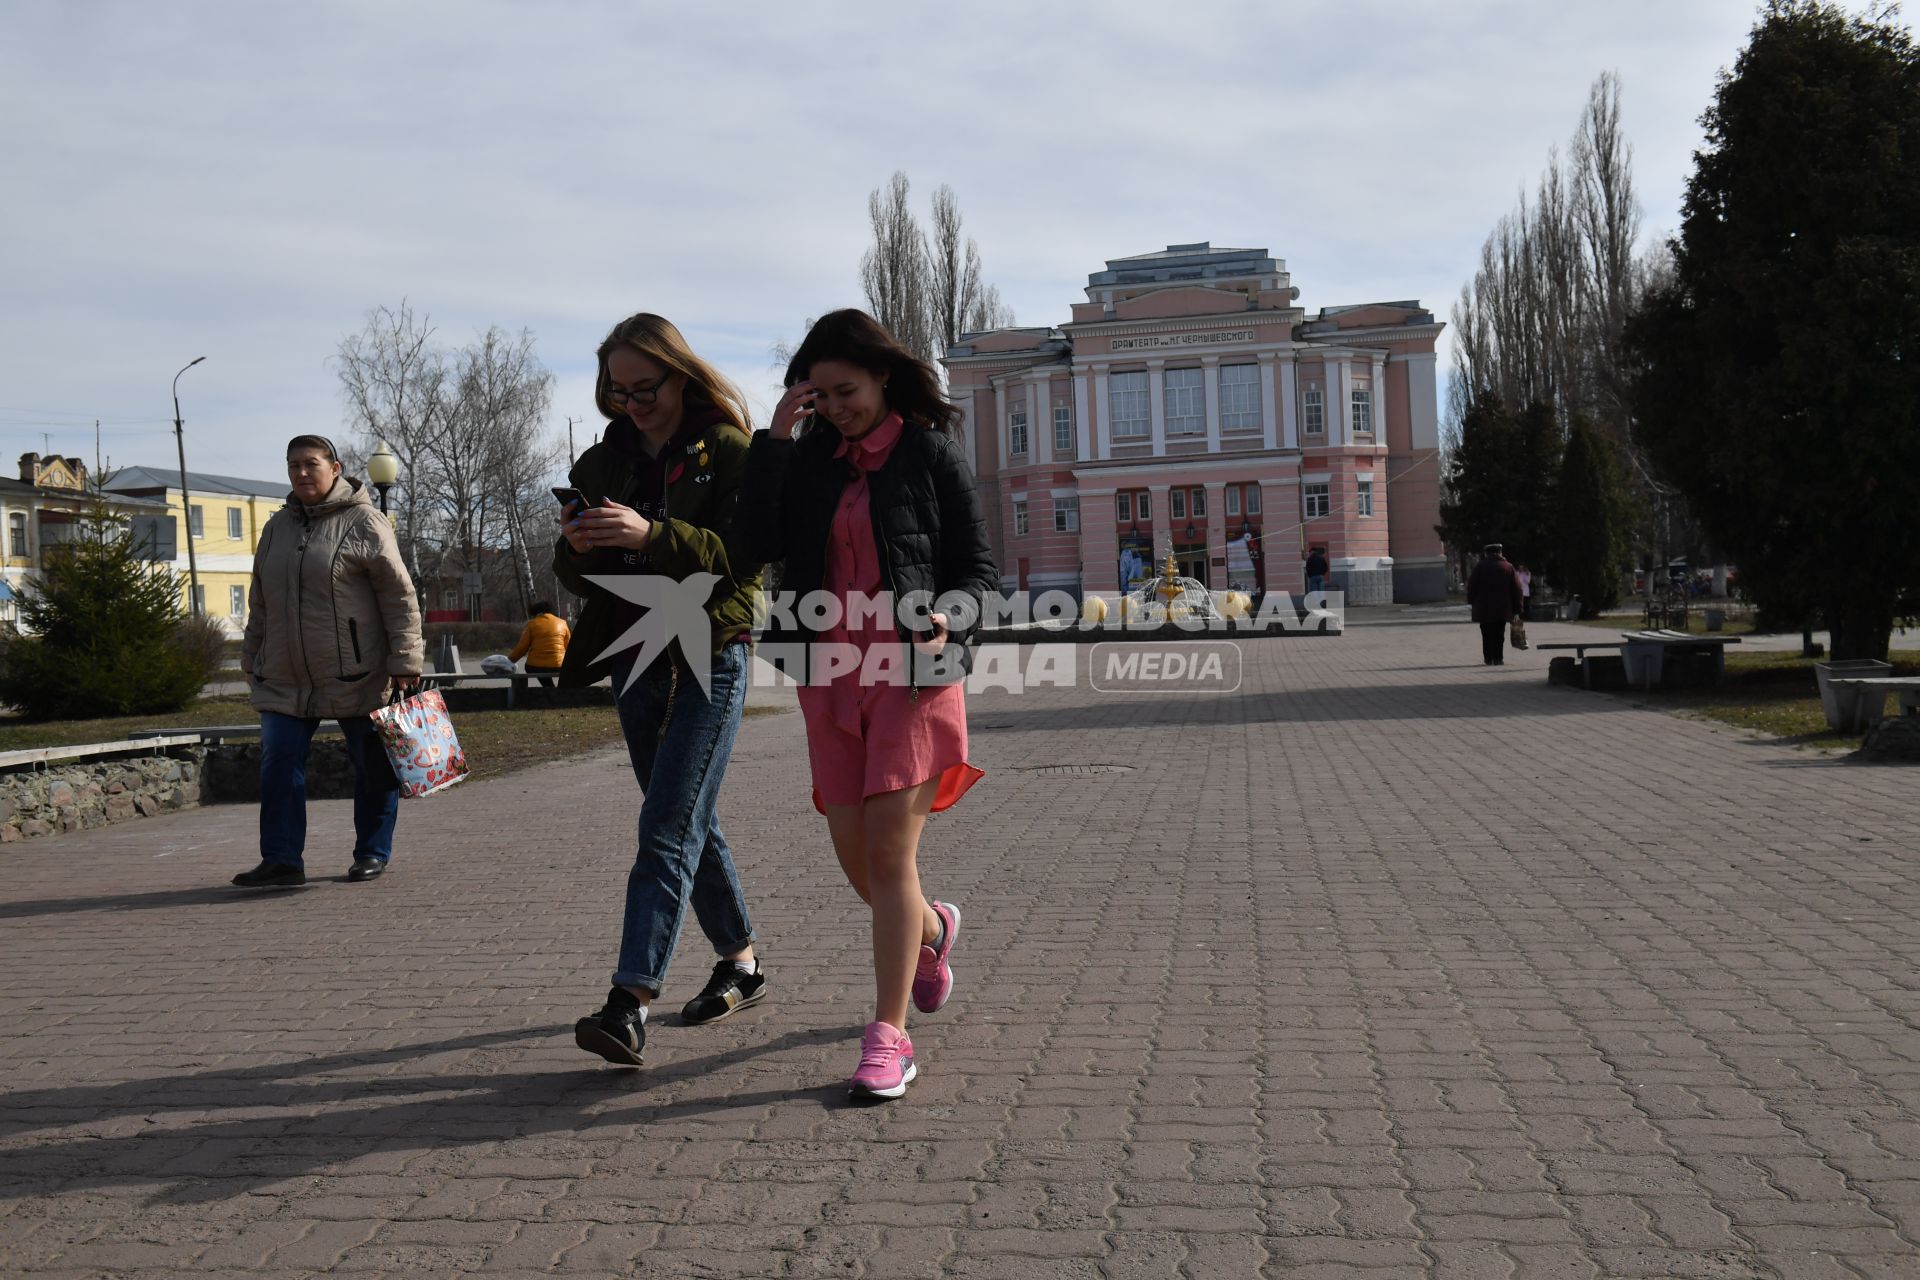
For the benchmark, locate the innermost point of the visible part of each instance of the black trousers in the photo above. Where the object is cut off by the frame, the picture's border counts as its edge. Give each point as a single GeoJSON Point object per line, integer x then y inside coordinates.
{"type": "Point", "coordinates": [1493, 642]}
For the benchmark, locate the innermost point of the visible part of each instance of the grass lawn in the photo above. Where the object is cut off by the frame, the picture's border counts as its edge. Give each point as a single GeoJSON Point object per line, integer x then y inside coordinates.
{"type": "Point", "coordinates": [1774, 693]}
{"type": "Point", "coordinates": [17, 734]}
{"type": "Point", "coordinates": [496, 742]}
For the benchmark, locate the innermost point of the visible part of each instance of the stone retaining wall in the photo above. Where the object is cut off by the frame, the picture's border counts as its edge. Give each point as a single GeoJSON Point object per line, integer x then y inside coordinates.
{"type": "Point", "coordinates": [93, 793]}
{"type": "Point", "coordinates": [233, 771]}
{"type": "Point", "coordinates": [81, 794]}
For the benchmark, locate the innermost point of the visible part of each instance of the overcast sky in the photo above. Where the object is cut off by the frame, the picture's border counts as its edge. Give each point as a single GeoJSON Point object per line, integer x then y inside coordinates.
{"type": "Point", "coordinates": [244, 181]}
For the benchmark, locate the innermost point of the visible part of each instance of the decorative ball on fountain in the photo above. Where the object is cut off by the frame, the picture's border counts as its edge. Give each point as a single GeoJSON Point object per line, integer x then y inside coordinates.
{"type": "Point", "coordinates": [1236, 604]}
{"type": "Point", "coordinates": [1093, 609]}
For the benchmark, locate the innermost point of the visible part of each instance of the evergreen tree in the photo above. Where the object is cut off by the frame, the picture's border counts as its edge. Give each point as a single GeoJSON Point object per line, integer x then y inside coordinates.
{"type": "Point", "coordinates": [1775, 382]}
{"type": "Point", "coordinates": [1476, 505]}
{"type": "Point", "coordinates": [1535, 471]}
{"type": "Point", "coordinates": [1592, 520]}
{"type": "Point", "coordinates": [1499, 481]}
{"type": "Point", "coordinates": [103, 632]}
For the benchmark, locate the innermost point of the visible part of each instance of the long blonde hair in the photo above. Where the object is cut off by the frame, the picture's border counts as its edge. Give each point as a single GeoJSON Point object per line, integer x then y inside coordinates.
{"type": "Point", "coordinates": [655, 337]}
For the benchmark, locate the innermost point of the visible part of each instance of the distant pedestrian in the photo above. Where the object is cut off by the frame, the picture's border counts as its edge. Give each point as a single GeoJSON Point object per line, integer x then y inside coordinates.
{"type": "Point", "coordinates": [1493, 591]}
{"type": "Point", "coordinates": [1525, 577]}
{"type": "Point", "coordinates": [874, 502]}
{"type": "Point", "coordinates": [333, 627]}
{"type": "Point", "coordinates": [543, 642]}
{"type": "Point", "coordinates": [1316, 570]}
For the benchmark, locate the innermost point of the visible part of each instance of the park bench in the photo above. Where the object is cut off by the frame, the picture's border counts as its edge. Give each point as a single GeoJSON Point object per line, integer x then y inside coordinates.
{"type": "Point", "coordinates": [1867, 697]}
{"type": "Point", "coordinates": [40, 757]}
{"type": "Point", "coordinates": [515, 682]}
{"type": "Point", "coordinates": [213, 734]}
{"type": "Point", "coordinates": [1646, 653]}
{"type": "Point", "coordinates": [1580, 655]}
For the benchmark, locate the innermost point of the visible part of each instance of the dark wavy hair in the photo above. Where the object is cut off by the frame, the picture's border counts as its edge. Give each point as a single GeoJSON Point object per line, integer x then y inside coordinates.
{"type": "Point", "coordinates": [912, 387]}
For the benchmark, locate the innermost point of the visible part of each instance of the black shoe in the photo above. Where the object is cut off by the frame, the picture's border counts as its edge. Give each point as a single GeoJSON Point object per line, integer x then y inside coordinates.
{"type": "Point", "coordinates": [617, 1033]}
{"type": "Point", "coordinates": [366, 869]}
{"type": "Point", "coordinates": [271, 875]}
{"type": "Point", "coordinates": [728, 989]}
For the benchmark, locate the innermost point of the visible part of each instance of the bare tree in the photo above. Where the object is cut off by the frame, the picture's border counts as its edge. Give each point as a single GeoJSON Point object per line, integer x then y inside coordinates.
{"type": "Point", "coordinates": [894, 272]}
{"type": "Point", "coordinates": [1617, 273]}
{"type": "Point", "coordinates": [1543, 317]}
{"type": "Point", "coordinates": [468, 428]}
{"type": "Point", "coordinates": [394, 381]}
{"type": "Point", "coordinates": [953, 269]}
{"type": "Point", "coordinates": [988, 312]}
{"type": "Point", "coordinates": [961, 301]}
{"type": "Point", "coordinates": [491, 459]}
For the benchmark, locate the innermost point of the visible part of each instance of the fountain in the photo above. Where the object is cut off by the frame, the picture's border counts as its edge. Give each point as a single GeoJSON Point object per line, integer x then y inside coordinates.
{"type": "Point", "coordinates": [1168, 598]}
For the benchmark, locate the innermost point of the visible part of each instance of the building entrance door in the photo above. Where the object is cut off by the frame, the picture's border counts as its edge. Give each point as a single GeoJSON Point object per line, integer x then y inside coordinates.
{"type": "Point", "coordinates": [1191, 560]}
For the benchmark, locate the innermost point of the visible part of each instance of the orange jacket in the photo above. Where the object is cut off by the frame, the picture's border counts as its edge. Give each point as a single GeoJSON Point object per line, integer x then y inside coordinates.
{"type": "Point", "coordinates": [543, 641]}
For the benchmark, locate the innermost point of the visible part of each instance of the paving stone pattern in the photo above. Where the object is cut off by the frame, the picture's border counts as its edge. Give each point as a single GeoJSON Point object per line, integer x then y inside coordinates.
{"type": "Point", "coordinates": [1388, 965]}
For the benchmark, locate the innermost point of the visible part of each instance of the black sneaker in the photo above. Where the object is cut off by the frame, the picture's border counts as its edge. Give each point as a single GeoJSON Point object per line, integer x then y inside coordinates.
{"type": "Point", "coordinates": [271, 875]}
{"type": "Point", "coordinates": [728, 989]}
{"type": "Point", "coordinates": [617, 1033]}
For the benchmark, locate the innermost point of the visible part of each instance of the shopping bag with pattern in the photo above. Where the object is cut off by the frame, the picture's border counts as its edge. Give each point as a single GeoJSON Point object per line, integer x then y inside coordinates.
{"type": "Point", "coordinates": [418, 736]}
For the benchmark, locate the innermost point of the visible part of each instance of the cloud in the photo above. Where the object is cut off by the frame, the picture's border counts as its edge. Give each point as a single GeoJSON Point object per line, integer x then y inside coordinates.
{"type": "Point", "coordinates": [245, 181]}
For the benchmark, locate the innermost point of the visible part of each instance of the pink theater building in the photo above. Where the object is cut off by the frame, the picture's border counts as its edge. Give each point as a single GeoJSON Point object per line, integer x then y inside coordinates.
{"type": "Point", "coordinates": [1190, 407]}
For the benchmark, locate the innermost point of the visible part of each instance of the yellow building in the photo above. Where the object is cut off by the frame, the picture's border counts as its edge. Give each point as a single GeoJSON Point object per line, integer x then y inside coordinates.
{"type": "Point", "coordinates": [227, 516]}
{"type": "Point", "coordinates": [42, 509]}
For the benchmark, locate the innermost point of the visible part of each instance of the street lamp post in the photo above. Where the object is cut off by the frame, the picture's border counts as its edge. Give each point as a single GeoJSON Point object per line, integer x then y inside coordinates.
{"type": "Point", "coordinates": [186, 498]}
{"type": "Point", "coordinates": [383, 468]}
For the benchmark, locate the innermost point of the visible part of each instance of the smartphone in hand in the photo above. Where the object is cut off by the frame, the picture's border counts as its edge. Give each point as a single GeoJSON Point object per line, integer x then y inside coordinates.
{"type": "Point", "coordinates": [569, 497]}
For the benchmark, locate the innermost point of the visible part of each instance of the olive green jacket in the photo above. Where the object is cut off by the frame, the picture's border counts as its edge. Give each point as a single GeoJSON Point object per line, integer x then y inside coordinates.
{"type": "Point", "coordinates": [697, 536]}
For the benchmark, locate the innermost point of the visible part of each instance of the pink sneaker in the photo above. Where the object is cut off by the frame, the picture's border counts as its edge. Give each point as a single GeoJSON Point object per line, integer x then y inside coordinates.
{"type": "Point", "coordinates": [886, 1063]}
{"type": "Point", "coordinates": [932, 977]}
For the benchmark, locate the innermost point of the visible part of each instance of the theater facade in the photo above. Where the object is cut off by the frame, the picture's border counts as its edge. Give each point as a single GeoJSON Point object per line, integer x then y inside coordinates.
{"type": "Point", "coordinates": [1190, 407]}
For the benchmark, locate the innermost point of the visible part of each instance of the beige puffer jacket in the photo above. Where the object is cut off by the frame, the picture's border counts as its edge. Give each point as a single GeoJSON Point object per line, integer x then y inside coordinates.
{"type": "Point", "coordinates": [332, 613]}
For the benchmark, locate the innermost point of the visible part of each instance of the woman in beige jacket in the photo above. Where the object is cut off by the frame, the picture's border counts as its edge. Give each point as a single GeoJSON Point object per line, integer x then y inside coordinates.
{"type": "Point", "coordinates": [332, 627]}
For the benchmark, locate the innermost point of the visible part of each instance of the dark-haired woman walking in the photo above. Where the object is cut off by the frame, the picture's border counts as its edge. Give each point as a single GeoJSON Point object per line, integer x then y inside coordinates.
{"type": "Point", "coordinates": [875, 502]}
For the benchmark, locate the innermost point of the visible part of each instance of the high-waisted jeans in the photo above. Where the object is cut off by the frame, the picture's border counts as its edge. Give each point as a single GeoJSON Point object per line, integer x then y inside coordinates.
{"type": "Point", "coordinates": [682, 856]}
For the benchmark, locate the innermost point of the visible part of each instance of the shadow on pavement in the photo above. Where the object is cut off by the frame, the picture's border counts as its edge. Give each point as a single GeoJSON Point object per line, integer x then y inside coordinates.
{"type": "Point", "coordinates": [198, 896]}
{"type": "Point", "coordinates": [298, 1129]}
{"type": "Point", "coordinates": [1318, 705]}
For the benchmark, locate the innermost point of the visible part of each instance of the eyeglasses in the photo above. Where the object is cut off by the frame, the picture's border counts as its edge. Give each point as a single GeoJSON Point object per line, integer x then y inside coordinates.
{"type": "Point", "coordinates": [638, 395]}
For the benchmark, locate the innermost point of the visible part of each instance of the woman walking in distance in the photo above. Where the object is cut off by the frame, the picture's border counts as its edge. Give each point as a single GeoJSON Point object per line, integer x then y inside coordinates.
{"type": "Point", "coordinates": [874, 500]}
{"type": "Point", "coordinates": [654, 506]}
{"type": "Point", "coordinates": [333, 628]}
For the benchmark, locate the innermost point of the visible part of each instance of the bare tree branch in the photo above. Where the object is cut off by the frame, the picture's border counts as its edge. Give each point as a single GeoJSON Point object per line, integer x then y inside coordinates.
{"type": "Point", "coordinates": [893, 273]}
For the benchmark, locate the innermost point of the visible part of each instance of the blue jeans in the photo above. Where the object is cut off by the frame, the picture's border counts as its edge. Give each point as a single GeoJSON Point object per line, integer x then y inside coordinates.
{"type": "Point", "coordinates": [284, 742]}
{"type": "Point", "coordinates": [679, 760]}
{"type": "Point", "coordinates": [1316, 582]}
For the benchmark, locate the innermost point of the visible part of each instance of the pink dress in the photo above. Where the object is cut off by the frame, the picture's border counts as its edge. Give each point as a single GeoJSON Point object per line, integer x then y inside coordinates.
{"type": "Point", "coordinates": [867, 740]}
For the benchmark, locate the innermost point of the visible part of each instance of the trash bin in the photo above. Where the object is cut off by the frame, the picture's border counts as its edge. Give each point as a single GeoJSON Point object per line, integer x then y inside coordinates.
{"type": "Point", "coordinates": [1573, 609]}
{"type": "Point", "coordinates": [1851, 710]}
{"type": "Point", "coordinates": [1716, 618]}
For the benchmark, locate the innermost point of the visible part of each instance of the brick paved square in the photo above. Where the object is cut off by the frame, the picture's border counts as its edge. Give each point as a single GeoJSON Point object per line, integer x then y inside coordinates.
{"type": "Point", "coordinates": [1388, 964]}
